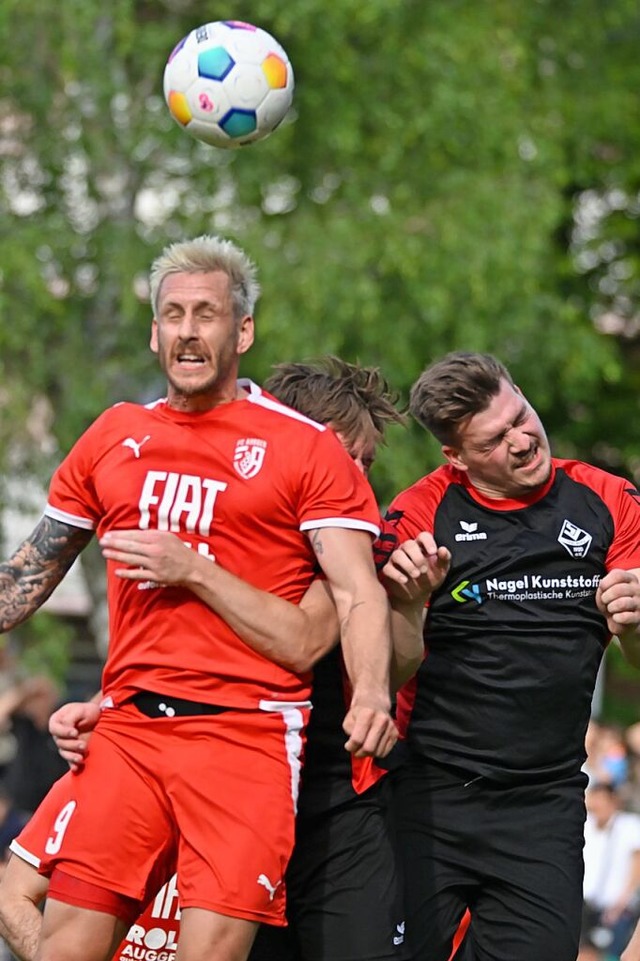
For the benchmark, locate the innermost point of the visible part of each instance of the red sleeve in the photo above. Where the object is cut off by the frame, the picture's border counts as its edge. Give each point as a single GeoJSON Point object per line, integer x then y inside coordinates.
{"type": "Point", "coordinates": [333, 492]}
{"type": "Point", "coordinates": [411, 512]}
{"type": "Point", "coordinates": [72, 495]}
{"type": "Point", "coordinates": [624, 502]}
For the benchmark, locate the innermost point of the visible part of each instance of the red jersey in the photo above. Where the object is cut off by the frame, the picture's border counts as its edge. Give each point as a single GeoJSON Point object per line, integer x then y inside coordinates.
{"type": "Point", "coordinates": [241, 484]}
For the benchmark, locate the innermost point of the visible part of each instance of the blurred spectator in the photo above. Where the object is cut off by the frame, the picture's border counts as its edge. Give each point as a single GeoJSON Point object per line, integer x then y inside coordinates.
{"type": "Point", "coordinates": [36, 764]}
{"type": "Point", "coordinates": [12, 822]}
{"type": "Point", "coordinates": [611, 876]}
{"type": "Point", "coordinates": [607, 758]}
{"type": "Point", "coordinates": [632, 739]}
{"type": "Point", "coordinates": [8, 690]}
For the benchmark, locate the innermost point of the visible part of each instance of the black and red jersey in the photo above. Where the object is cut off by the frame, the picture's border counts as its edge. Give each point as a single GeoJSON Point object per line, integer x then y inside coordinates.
{"type": "Point", "coordinates": [513, 637]}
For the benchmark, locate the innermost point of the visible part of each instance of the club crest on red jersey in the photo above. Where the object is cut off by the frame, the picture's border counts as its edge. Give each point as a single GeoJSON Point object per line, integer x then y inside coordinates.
{"type": "Point", "coordinates": [248, 457]}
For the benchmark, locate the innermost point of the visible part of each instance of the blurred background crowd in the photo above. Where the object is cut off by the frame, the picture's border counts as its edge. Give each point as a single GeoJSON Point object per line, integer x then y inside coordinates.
{"type": "Point", "coordinates": [29, 760]}
{"type": "Point", "coordinates": [612, 840]}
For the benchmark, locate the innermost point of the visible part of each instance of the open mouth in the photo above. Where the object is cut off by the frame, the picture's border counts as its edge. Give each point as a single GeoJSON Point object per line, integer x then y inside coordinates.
{"type": "Point", "coordinates": [190, 360]}
{"type": "Point", "coordinates": [530, 457]}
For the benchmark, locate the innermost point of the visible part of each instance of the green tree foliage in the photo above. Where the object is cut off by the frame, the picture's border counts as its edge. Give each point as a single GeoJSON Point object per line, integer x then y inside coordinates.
{"type": "Point", "coordinates": [454, 175]}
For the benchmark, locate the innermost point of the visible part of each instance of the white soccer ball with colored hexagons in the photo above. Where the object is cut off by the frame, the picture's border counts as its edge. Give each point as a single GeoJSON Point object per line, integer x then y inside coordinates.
{"type": "Point", "coordinates": [228, 83]}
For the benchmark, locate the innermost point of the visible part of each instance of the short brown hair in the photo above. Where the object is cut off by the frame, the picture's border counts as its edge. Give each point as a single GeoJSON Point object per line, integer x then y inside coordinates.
{"type": "Point", "coordinates": [332, 391]}
{"type": "Point", "coordinates": [453, 389]}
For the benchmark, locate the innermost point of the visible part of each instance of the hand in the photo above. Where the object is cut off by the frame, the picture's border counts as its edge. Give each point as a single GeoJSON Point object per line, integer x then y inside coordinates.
{"type": "Point", "coordinates": [371, 729]}
{"type": "Point", "coordinates": [618, 598]}
{"type": "Point", "coordinates": [150, 555]}
{"type": "Point", "coordinates": [416, 568]}
{"type": "Point", "coordinates": [71, 726]}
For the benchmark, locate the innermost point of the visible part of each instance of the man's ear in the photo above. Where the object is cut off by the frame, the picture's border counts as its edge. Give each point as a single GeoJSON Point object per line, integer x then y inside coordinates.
{"type": "Point", "coordinates": [455, 458]}
{"type": "Point", "coordinates": [246, 333]}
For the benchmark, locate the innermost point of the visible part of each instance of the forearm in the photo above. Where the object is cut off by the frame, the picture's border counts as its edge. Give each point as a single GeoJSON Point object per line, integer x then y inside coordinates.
{"type": "Point", "coordinates": [21, 892]}
{"type": "Point", "coordinates": [365, 632]}
{"type": "Point", "coordinates": [408, 644]}
{"type": "Point", "coordinates": [629, 640]}
{"type": "Point", "coordinates": [31, 575]}
{"type": "Point", "coordinates": [293, 636]}
{"type": "Point", "coordinates": [21, 594]}
{"type": "Point", "coordinates": [20, 927]}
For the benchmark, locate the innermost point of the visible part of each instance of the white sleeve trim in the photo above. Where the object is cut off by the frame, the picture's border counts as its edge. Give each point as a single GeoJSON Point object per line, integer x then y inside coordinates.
{"type": "Point", "coordinates": [257, 397]}
{"type": "Point", "coordinates": [349, 522]}
{"type": "Point", "coordinates": [25, 855]}
{"type": "Point", "coordinates": [71, 519]}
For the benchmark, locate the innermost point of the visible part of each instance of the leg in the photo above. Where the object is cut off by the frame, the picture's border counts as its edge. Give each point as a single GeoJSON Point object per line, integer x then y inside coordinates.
{"type": "Point", "coordinates": [344, 889]}
{"type": "Point", "coordinates": [207, 936]}
{"type": "Point", "coordinates": [70, 933]}
{"type": "Point", "coordinates": [22, 890]}
{"type": "Point", "coordinates": [530, 903]}
{"type": "Point", "coordinates": [438, 885]}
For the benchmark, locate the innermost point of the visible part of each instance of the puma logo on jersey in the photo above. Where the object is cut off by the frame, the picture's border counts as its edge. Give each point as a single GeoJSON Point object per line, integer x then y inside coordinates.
{"type": "Point", "coordinates": [266, 883]}
{"type": "Point", "coordinates": [134, 445]}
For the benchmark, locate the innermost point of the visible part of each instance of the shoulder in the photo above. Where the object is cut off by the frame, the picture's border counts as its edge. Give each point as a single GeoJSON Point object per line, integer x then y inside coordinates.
{"type": "Point", "coordinates": [590, 475]}
{"type": "Point", "coordinates": [127, 412]}
{"type": "Point", "coordinates": [278, 413]}
{"type": "Point", "coordinates": [433, 484]}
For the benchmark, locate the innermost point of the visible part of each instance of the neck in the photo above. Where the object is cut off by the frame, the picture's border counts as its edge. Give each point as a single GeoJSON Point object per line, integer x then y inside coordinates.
{"type": "Point", "coordinates": [201, 403]}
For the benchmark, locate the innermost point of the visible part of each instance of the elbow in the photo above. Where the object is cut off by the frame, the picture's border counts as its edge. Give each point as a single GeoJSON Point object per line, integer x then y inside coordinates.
{"type": "Point", "coordinates": [403, 669]}
{"type": "Point", "coordinates": [306, 658]}
{"type": "Point", "coordinates": [298, 665]}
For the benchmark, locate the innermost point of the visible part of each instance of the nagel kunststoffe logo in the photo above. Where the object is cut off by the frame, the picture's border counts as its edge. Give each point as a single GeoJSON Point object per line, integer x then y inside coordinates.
{"type": "Point", "coordinates": [466, 591]}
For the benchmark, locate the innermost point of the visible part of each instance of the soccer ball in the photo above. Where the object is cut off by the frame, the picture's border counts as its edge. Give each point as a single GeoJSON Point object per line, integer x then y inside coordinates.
{"type": "Point", "coordinates": [228, 83]}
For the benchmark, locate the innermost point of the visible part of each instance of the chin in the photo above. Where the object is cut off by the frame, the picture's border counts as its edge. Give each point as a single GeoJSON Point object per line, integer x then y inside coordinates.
{"type": "Point", "coordinates": [541, 474]}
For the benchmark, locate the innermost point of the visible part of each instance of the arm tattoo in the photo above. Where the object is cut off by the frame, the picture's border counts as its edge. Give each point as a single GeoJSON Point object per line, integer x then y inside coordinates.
{"type": "Point", "coordinates": [316, 542]}
{"type": "Point", "coordinates": [29, 577]}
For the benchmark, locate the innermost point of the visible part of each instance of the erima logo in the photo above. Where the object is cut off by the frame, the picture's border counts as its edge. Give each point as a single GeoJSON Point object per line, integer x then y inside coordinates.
{"type": "Point", "coordinates": [266, 883]}
{"type": "Point", "coordinates": [466, 591]}
{"type": "Point", "coordinates": [471, 532]}
{"type": "Point", "coordinates": [399, 937]}
{"type": "Point", "coordinates": [576, 541]}
{"type": "Point", "coordinates": [134, 445]}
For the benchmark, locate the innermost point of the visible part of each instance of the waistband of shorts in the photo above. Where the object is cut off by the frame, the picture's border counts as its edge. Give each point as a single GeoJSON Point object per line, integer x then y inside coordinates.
{"type": "Point", "coordinates": [165, 705]}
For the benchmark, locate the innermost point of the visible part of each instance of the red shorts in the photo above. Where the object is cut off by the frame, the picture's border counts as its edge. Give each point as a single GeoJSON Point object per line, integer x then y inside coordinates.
{"type": "Point", "coordinates": [29, 844]}
{"type": "Point", "coordinates": [225, 784]}
{"type": "Point", "coordinates": [50, 821]}
{"type": "Point", "coordinates": [157, 927]}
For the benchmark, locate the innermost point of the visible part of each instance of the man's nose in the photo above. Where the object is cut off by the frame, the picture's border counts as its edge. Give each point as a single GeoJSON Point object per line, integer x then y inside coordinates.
{"type": "Point", "coordinates": [188, 326]}
{"type": "Point", "coordinates": [518, 439]}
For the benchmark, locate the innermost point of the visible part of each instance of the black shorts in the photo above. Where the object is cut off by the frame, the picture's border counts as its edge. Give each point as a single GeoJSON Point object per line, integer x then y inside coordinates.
{"type": "Point", "coordinates": [344, 892]}
{"type": "Point", "coordinates": [511, 853]}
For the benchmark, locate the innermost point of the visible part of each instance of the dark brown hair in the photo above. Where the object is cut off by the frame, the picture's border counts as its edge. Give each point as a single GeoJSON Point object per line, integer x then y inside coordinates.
{"type": "Point", "coordinates": [332, 391]}
{"type": "Point", "coordinates": [453, 389]}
